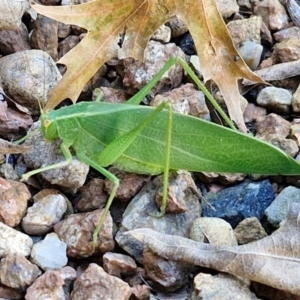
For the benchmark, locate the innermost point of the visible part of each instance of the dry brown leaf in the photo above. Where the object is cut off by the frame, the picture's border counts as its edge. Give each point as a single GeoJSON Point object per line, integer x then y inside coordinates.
{"type": "Point", "coordinates": [105, 20]}
{"type": "Point", "coordinates": [10, 148]}
{"type": "Point", "coordinates": [274, 260]}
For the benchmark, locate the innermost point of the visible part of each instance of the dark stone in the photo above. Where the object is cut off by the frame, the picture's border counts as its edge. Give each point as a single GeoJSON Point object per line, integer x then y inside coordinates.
{"type": "Point", "coordinates": [234, 204]}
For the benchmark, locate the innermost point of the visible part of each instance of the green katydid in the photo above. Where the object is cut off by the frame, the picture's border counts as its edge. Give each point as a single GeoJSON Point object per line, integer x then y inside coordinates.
{"type": "Point", "coordinates": [152, 141]}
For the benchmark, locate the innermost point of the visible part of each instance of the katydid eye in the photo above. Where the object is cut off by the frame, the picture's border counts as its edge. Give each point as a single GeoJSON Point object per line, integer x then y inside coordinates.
{"type": "Point", "coordinates": [47, 123]}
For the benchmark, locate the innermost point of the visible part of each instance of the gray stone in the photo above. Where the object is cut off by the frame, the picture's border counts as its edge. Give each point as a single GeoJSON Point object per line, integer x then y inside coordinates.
{"type": "Point", "coordinates": [13, 241]}
{"type": "Point", "coordinates": [44, 214]}
{"type": "Point", "coordinates": [249, 230]}
{"type": "Point", "coordinates": [296, 100]}
{"type": "Point", "coordinates": [222, 286]}
{"type": "Point", "coordinates": [233, 204]}
{"type": "Point", "coordinates": [50, 253]}
{"type": "Point", "coordinates": [17, 272]}
{"type": "Point", "coordinates": [276, 99]}
{"type": "Point", "coordinates": [251, 53]}
{"type": "Point", "coordinates": [53, 284]}
{"type": "Point", "coordinates": [162, 34]}
{"type": "Point", "coordinates": [95, 283]}
{"type": "Point", "coordinates": [28, 77]}
{"type": "Point", "coordinates": [11, 13]}
{"type": "Point", "coordinates": [245, 30]}
{"type": "Point", "coordinates": [213, 230]}
{"type": "Point", "coordinates": [278, 210]}
{"type": "Point", "coordinates": [43, 154]}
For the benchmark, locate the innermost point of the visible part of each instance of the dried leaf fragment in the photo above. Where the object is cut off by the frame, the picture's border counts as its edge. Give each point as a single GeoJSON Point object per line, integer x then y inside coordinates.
{"type": "Point", "coordinates": [274, 260]}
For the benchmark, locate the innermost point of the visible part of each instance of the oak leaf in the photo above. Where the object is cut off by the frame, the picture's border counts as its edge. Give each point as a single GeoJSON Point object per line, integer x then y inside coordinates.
{"type": "Point", "coordinates": [273, 260]}
{"type": "Point", "coordinates": [105, 20]}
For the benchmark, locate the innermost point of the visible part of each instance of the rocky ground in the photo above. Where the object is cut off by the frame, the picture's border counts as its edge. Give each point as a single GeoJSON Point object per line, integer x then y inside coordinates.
{"type": "Point", "coordinates": [47, 222]}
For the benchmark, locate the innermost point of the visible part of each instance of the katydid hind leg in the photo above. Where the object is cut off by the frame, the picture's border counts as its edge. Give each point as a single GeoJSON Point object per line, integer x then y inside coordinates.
{"type": "Point", "coordinates": [167, 164]}
{"type": "Point", "coordinates": [115, 182]}
{"type": "Point", "coordinates": [118, 146]}
{"type": "Point", "coordinates": [68, 156]}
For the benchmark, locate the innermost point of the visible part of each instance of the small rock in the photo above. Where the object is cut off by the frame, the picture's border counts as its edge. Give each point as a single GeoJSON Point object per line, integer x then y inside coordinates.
{"type": "Point", "coordinates": [288, 33]}
{"type": "Point", "coordinates": [67, 44]}
{"type": "Point", "coordinates": [245, 30]}
{"type": "Point", "coordinates": [276, 99]}
{"type": "Point", "coordinates": [249, 230]}
{"type": "Point", "coordinates": [296, 100]}
{"type": "Point", "coordinates": [46, 192]}
{"type": "Point", "coordinates": [116, 264]}
{"type": "Point", "coordinates": [287, 50]}
{"type": "Point", "coordinates": [13, 123]}
{"type": "Point", "coordinates": [13, 201]}
{"type": "Point", "coordinates": [253, 112]}
{"type": "Point", "coordinates": [26, 271]}
{"type": "Point", "coordinates": [77, 229]}
{"type": "Point", "coordinates": [166, 274]}
{"type": "Point", "coordinates": [11, 13]}
{"type": "Point", "coordinates": [8, 172]}
{"type": "Point", "coordinates": [14, 242]}
{"type": "Point", "coordinates": [272, 124]}
{"type": "Point", "coordinates": [12, 41]}
{"type": "Point", "coordinates": [287, 145]}
{"type": "Point", "coordinates": [273, 14]}
{"type": "Point", "coordinates": [224, 178]}
{"type": "Point", "coordinates": [9, 293]}
{"type": "Point", "coordinates": [137, 74]}
{"type": "Point", "coordinates": [278, 209]}
{"type": "Point", "coordinates": [162, 34]}
{"type": "Point", "coordinates": [96, 284]}
{"type": "Point", "coordinates": [52, 285]}
{"type": "Point", "coordinates": [44, 214]}
{"type": "Point", "coordinates": [228, 288]}
{"type": "Point", "coordinates": [140, 292]}
{"type": "Point", "coordinates": [178, 27]}
{"type": "Point", "coordinates": [195, 63]}
{"type": "Point", "coordinates": [110, 94]}
{"type": "Point", "coordinates": [129, 185]}
{"type": "Point", "coordinates": [28, 77]}
{"type": "Point", "coordinates": [251, 53]}
{"type": "Point", "coordinates": [44, 35]}
{"type": "Point", "coordinates": [186, 100]}
{"type": "Point", "coordinates": [63, 30]}
{"type": "Point", "coordinates": [141, 211]}
{"type": "Point", "coordinates": [93, 195]}
{"type": "Point", "coordinates": [295, 133]}
{"type": "Point", "coordinates": [43, 154]}
{"type": "Point", "coordinates": [227, 8]}
{"type": "Point", "coordinates": [136, 279]}
{"type": "Point", "coordinates": [50, 253]}
{"type": "Point", "coordinates": [244, 3]}
{"type": "Point", "coordinates": [187, 45]}
{"type": "Point", "coordinates": [233, 204]}
{"type": "Point", "coordinates": [214, 231]}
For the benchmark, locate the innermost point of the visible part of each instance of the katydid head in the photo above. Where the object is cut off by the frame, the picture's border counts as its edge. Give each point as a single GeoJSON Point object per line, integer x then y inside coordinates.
{"type": "Point", "coordinates": [48, 127]}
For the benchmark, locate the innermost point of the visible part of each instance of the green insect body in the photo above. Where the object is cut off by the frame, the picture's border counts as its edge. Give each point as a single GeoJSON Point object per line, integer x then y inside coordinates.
{"type": "Point", "coordinates": [197, 145]}
{"type": "Point", "coordinates": [152, 141]}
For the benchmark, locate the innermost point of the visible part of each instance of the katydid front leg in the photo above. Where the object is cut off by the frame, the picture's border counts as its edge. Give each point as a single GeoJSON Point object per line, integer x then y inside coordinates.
{"type": "Point", "coordinates": [116, 148]}
{"type": "Point", "coordinates": [68, 156]}
{"type": "Point", "coordinates": [115, 182]}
